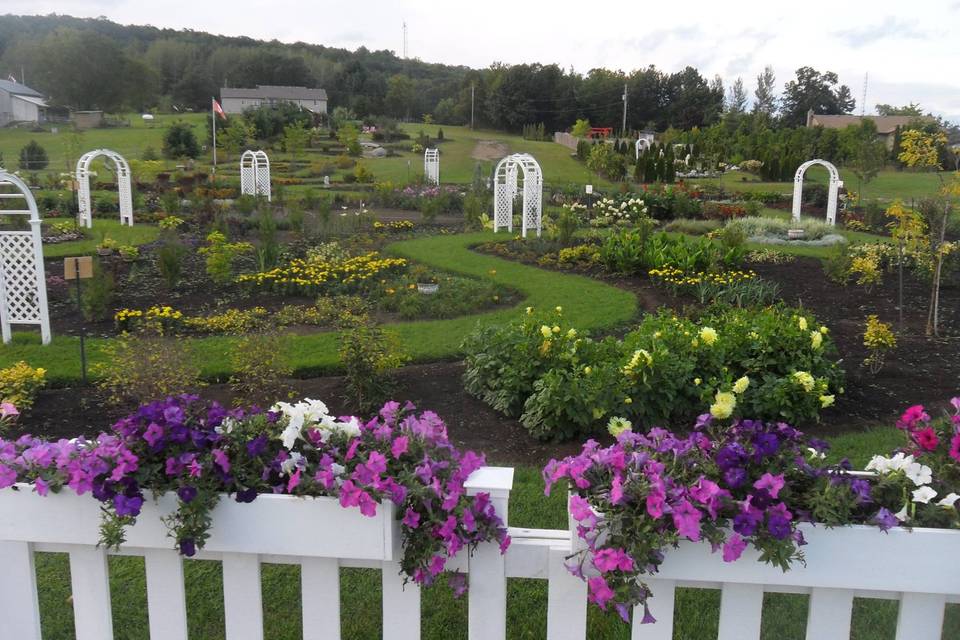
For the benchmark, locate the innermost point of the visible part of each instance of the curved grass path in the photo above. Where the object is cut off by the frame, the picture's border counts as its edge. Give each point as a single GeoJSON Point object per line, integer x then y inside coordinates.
{"type": "Point", "coordinates": [587, 304]}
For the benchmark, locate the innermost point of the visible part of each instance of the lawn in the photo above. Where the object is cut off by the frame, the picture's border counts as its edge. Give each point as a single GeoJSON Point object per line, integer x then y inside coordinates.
{"type": "Point", "coordinates": [129, 142]}
{"type": "Point", "coordinates": [587, 303]}
{"type": "Point", "coordinates": [136, 235]}
{"type": "Point", "coordinates": [888, 184]}
{"type": "Point", "coordinates": [696, 614]}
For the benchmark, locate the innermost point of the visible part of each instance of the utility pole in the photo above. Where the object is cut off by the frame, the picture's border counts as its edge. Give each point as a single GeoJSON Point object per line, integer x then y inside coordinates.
{"type": "Point", "coordinates": [472, 88]}
{"type": "Point", "coordinates": [404, 38]}
{"type": "Point", "coordinates": [623, 129]}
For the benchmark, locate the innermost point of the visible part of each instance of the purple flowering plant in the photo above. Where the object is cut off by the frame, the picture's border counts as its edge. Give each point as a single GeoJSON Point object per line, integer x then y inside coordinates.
{"type": "Point", "coordinates": [736, 485]}
{"type": "Point", "coordinates": [201, 451]}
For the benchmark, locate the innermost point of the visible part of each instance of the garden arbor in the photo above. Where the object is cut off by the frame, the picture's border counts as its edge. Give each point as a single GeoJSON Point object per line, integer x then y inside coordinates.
{"type": "Point", "coordinates": [23, 286]}
{"type": "Point", "coordinates": [835, 184]}
{"type": "Point", "coordinates": [85, 216]}
{"type": "Point", "coordinates": [505, 190]}
{"type": "Point", "coordinates": [431, 166]}
{"type": "Point", "coordinates": [255, 174]}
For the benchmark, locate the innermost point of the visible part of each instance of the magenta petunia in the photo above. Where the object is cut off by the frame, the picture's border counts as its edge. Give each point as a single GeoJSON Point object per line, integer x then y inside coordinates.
{"type": "Point", "coordinates": [733, 548]}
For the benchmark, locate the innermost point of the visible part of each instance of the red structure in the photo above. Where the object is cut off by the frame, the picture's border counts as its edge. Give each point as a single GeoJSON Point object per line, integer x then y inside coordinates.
{"type": "Point", "coordinates": [600, 132]}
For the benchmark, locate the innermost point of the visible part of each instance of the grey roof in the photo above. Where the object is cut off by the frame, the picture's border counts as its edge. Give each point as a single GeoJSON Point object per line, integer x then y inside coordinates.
{"type": "Point", "coordinates": [884, 124]}
{"type": "Point", "coordinates": [18, 89]}
{"type": "Point", "coordinates": [275, 93]}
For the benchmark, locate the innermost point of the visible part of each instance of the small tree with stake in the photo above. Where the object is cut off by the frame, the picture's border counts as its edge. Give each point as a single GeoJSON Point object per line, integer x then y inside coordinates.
{"type": "Point", "coordinates": [921, 150]}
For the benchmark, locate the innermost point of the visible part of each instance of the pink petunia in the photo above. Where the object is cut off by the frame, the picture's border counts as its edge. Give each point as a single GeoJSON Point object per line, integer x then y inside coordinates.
{"type": "Point", "coordinates": [411, 518]}
{"type": "Point", "coordinates": [686, 518]}
{"type": "Point", "coordinates": [399, 446]}
{"type": "Point", "coordinates": [606, 560]}
{"type": "Point", "coordinates": [600, 591]}
{"type": "Point", "coordinates": [733, 548]}
{"type": "Point", "coordinates": [926, 438]}
{"type": "Point", "coordinates": [220, 457]}
{"type": "Point", "coordinates": [293, 481]}
{"type": "Point", "coordinates": [772, 483]}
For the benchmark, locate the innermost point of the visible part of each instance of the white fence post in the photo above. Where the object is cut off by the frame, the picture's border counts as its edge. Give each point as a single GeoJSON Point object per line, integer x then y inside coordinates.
{"type": "Point", "coordinates": [828, 617]}
{"type": "Point", "coordinates": [320, 589]}
{"type": "Point", "coordinates": [661, 605]}
{"type": "Point", "coordinates": [242, 596]}
{"type": "Point", "coordinates": [487, 616]}
{"type": "Point", "coordinates": [90, 582]}
{"type": "Point", "coordinates": [741, 606]}
{"type": "Point", "coordinates": [566, 599]}
{"type": "Point", "coordinates": [401, 605]}
{"type": "Point", "coordinates": [166, 594]}
{"type": "Point", "coordinates": [18, 592]}
{"type": "Point", "coordinates": [921, 616]}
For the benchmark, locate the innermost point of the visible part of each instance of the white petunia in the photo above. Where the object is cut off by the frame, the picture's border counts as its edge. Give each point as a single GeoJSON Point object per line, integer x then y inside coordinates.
{"type": "Point", "coordinates": [816, 455]}
{"type": "Point", "coordinates": [949, 500]}
{"type": "Point", "coordinates": [920, 474]}
{"type": "Point", "coordinates": [291, 463]}
{"type": "Point", "coordinates": [902, 514]}
{"type": "Point", "coordinates": [923, 494]}
{"type": "Point", "coordinates": [880, 464]}
{"type": "Point", "coordinates": [900, 462]}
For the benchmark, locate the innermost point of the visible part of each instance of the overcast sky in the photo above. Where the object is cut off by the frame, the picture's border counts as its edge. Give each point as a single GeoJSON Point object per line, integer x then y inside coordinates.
{"type": "Point", "coordinates": [909, 49]}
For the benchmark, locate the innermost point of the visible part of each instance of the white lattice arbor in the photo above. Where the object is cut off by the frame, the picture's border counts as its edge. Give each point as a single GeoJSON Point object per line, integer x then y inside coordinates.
{"type": "Point", "coordinates": [641, 145]}
{"type": "Point", "coordinates": [85, 217]}
{"type": "Point", "coordinates": [835, 184]}
{"type": "Point", "coordinates": [431, 166]}
{"type": "Point", "coordinates": [506, 176]}
{"type": "Point", "coordinates": [23, 285]}
{"type": "Point", "coordinates": [255, 174]}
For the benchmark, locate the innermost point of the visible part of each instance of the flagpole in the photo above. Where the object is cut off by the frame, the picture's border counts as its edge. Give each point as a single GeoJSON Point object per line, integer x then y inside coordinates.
{"type": "Point", "coordinates": [213, 121]}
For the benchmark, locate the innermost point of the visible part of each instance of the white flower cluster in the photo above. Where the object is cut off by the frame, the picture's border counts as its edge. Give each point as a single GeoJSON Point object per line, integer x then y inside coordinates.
{"type": "Point", "coordinates": [920, 474]}
{"type": "Point", "coordinates": [629, 209]}
{"type": "Point", "coordinates": [311, 413]}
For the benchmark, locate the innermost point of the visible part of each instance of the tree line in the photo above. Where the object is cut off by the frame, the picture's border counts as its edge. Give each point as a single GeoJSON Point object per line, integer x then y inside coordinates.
{"type": "Point", "coordinates": [98, 64]}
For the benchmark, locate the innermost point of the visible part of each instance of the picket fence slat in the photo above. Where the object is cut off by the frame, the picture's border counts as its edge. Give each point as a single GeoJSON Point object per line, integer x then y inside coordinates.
{"type": "Point", "coordinates": [242, 596]}
{"type": "Point", "coordinates": [741, 606]}
{"type": "Point", "coordinates": [20, 617]}
{"type": "Point", "coordinates": [921, 616]}
{"type": "Point", "coordinates": [566, 600]}
{"type": "Point", "coordinates": [401, 605]}
{"type": "Point", "coordinates": [829, 613]}
{"type": "Point", "coordinates": [90, 582]}
{"type": "Point", "coordinates": [320, 587]}
{"type": "Point", "coordinates": [166, 594]}
{"type": "Point", "coordinates": [661, 606]}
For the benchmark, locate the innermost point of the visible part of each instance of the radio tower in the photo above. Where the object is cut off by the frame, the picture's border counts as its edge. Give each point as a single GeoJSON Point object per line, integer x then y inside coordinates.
{"type": "Point", "coordinates": [863, 102]}
{"type": "Point", "coordinates": [404, 38]}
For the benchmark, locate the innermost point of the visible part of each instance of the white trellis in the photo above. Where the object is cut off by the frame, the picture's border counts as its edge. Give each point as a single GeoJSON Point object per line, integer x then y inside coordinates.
{"type": "Point", "coordinates": [835, 184]}
{"type": "Point", "coordinates": [85, 217]}
{"type": "Point", "coordinates": [431, 166]}
{"type": "Point", "coordinates": [23, 285]}
{"type": "Point", "coordinates": [505, 190]}
{"type": "Point", "coordinates": [255, 174]}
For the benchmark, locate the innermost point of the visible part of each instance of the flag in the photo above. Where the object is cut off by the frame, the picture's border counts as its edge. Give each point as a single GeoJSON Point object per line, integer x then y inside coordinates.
{"type": "Point", "coordinates": [217, 109]}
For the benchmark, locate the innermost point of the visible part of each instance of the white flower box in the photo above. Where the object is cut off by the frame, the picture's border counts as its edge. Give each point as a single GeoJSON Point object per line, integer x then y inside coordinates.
{"type": "Point", "coordinates": [271, 524]}
{"type": "Point", "coordinates": [427, 288]}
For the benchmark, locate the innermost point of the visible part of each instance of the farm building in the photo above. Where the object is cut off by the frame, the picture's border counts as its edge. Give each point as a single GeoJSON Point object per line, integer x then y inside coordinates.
{"type": "Point", "coordinates": [20, 103]}
{"type": "Point", "coordinates": [886, 125]}
{"type": "Point", "coordinates": [239, 100]}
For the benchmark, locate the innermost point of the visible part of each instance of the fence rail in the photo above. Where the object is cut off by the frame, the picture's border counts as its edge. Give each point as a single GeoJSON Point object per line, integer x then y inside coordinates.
{"type": "Point", "coordinates": [920, 569]}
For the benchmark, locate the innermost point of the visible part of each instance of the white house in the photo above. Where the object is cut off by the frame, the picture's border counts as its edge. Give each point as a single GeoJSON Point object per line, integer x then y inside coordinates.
{"type": "Point", "coordinates": [20, 103]}
{"type": "Point", "coordinates": [239, 100]}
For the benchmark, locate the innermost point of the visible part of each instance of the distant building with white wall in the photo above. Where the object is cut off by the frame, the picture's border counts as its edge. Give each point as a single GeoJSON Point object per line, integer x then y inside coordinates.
{"type": "Point", "coordinates": [20, 103]}
{"type": "Point", "coordinates": [239, 100]}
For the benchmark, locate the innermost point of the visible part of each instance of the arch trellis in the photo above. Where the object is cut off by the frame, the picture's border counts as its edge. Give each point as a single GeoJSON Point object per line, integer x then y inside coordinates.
{"type": "Point", "coordinates": [506, 175]}
{"type": "Point", "coordinates": [23, 285]}
{"type": "Point", "coordinates": [85, 216]}
{"type": "Point", "coordinates": [641, 145]}
{"type": "Point", "coordinates": [255, 174]}
{"type": "Point", "coordinates": [835, 184]}
{"type": "Point", "coordinates": [431, 166]}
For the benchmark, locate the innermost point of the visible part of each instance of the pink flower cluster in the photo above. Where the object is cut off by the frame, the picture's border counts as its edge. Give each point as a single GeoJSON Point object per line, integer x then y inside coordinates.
{"type": "Point", "coordinates": [918, 426]}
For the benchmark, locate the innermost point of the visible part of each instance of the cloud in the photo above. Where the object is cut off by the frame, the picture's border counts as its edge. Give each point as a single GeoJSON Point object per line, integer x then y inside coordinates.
{"type": "Point", "coordinates": [890, 27]}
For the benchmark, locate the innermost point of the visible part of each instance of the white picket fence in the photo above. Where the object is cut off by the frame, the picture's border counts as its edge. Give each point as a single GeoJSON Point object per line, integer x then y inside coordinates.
{"type": "Point", "coordinates": [920, 569]}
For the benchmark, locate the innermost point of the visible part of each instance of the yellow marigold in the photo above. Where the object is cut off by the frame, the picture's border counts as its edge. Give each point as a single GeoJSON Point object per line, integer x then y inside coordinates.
{"type": "Point", "coordinates": [545, 331]}
{"type": "Point", "coordinates": [826, 401]}
{"type": "Point", "coordinates": [618, 425]}
{"type": "Point", "coordinates": [708, 335]}
{"type": "Point", "coordinates": [802, 322]}
{"type": "Point", "coordinates": [741, 385]}
{"type": "Point", "coordinates": [724, 404]}
{"type": "Point", "coordinates": [805, 380]}
{"type": "Point", "coordinates": [816, 339]}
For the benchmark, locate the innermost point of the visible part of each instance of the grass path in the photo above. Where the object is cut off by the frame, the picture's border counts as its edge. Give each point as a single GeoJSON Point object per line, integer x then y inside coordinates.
{"type": "Point", "coordinates": [587, 303]}
{"type": "Point", "coordinates": [136, 235]}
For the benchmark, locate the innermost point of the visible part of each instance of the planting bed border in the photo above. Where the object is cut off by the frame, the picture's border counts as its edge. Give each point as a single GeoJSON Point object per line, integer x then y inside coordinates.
{"type": "Point", "coordinates": [587, 304]}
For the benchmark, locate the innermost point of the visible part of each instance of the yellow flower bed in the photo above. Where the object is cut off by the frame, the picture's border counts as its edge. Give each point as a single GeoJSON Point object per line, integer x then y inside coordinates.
{"type": "Point", "coordinates": [19, 384]}
{"type": "Point", "coordinates": [313, 275]}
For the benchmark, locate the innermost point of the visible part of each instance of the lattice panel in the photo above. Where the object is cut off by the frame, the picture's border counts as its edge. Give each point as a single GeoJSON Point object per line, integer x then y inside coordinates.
{"type": "Point", "coordinates": [263, 181]}
{"type": "Point", "coordinates": [18, 271]}
{"type": "Point", "coordinates": [503, 207]}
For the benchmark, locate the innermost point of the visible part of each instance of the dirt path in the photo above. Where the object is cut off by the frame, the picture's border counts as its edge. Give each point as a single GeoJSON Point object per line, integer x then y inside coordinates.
{"type": "Point", "coordinates": [490, 150]}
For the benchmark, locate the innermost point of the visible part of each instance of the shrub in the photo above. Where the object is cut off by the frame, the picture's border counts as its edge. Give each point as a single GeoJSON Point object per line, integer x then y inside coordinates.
{"type": "Point", "coordinates": [368, 356]}
{"type": "Point", "coordinates": [668, 370]}
{"type": "Point", "coordinates": [97, 294]}
{"type": "Point", "coordinates": [143, 366]}
{"type": "Point", "coordinates": [33, 157]}
{"type": "Point", "coordinates": [220, 256]}
{"type": "Point", "coordinates": [180, 141]}
{"type": "Point", "coordinates": [566, 226]}
{"type": "Point", "coordinates": [760, 227]}
{"type": "Point", "coordinates": [260, 367]}
{"type": "Point", "coordinates": [692, 227]}
{"type": "Point", "coordinates": [170, 261]}
{"type": "Point", "coordinates": [20, 383]}
{"type": "Point", "coordinates": [879, 339]}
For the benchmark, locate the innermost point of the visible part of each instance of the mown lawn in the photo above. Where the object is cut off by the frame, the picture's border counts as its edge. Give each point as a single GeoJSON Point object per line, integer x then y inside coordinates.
{"type": "Point", "coordinates": [587, 303]}
{"type": "Point", "coordinates": [136, 235]}
{"type": "Point", "coordinates": [444, 618]}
